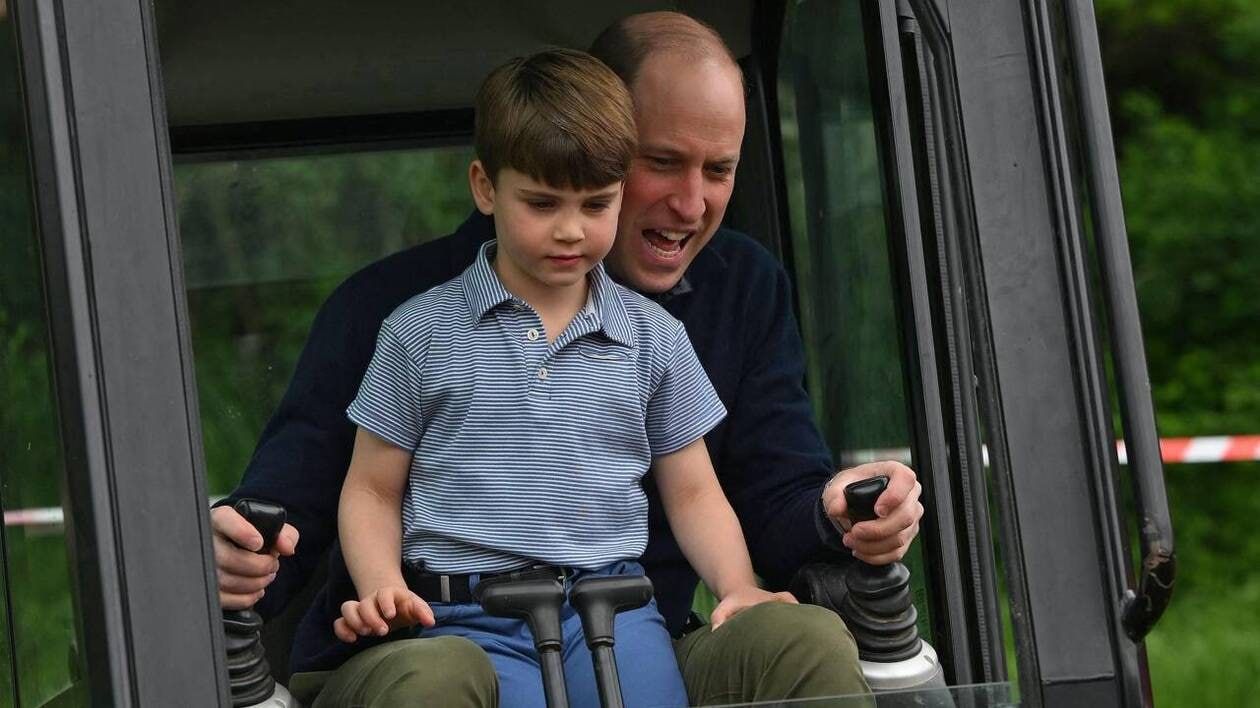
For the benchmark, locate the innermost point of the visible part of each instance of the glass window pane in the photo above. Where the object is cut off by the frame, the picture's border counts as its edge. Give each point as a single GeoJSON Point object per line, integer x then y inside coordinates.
{"type": "Point", "coordinates": [840, 253]}
{"type": "Point", "coordinates": [40, 626]}
{"type": "Point", "coordinates": [265, 241]}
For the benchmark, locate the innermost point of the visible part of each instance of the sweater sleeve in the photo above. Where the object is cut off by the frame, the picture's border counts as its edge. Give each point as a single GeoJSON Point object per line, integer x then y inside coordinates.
{"type": "Point", "coordinates": [775, 461]}
{"type": "Point", "coordinates": [301, 459]}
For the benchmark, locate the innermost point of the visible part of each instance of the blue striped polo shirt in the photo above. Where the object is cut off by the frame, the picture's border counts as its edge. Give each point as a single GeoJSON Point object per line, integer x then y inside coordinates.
{"type": "Point", "coordinates": [525, 451]}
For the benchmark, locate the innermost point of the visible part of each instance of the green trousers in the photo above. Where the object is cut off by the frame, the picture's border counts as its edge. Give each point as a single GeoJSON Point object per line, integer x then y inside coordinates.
{"type": "Point", "coordinates": [765, 653]}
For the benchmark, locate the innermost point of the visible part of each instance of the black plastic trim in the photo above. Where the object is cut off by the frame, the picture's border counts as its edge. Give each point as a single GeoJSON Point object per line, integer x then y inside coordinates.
{"type": "Point", "coordinates": [136, 519]}
{"type": "Point", "coordinates": [326, 134]}
{"type": "Point", "coordinates": [1143, 607]}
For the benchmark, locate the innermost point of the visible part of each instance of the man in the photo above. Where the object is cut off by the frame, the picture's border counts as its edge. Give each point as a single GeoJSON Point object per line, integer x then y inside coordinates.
{"type": "Point", "coordinates": [735, 302]}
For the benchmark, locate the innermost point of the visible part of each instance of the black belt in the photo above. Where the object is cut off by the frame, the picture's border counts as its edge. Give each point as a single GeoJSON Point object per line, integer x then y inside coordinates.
{"type": "Point", "coordinates": [434, 587]}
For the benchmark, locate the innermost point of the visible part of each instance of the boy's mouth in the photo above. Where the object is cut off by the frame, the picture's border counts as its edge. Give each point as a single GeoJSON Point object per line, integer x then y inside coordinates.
{"type": "Point", "coordinates": [667, 243]}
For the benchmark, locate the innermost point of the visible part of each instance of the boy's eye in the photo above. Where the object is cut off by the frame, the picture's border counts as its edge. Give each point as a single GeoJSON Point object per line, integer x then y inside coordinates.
{"type": "Point", "coordinates": [597, 206]}
{"type": "Point", "coordinates": [541, 204]}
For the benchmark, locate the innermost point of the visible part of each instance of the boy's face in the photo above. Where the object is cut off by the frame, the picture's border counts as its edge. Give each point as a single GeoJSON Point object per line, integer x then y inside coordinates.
{"type": "Point", "coordinates": [548, 237]}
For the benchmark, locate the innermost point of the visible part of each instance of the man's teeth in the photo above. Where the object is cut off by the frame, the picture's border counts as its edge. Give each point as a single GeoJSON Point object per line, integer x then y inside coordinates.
{"type": "Point", "coordinates": [666, 244]}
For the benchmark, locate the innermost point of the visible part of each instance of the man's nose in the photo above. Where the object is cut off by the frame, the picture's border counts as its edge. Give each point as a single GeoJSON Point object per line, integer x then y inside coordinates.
{"type": "Point", "coordinates": [687, 199]}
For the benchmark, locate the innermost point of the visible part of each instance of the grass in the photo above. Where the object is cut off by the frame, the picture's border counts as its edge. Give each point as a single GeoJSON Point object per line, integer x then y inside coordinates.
{"type": "Point", "coordinates": [1206, 649]}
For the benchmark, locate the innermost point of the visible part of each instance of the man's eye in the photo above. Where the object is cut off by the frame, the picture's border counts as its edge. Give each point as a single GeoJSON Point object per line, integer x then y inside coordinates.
{"type": "Point", "coordinates": [660, 162]}
{"type": "Point", "coordinates": [721, 171]}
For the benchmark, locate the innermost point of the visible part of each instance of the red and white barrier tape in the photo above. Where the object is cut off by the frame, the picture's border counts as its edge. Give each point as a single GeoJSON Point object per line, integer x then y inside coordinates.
{"type": "Point", "coordinates": [1214, 448]}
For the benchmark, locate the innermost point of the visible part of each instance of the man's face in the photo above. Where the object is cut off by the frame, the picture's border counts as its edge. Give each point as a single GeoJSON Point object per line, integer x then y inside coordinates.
{"type": "Point", "coordinates": [690, 117]}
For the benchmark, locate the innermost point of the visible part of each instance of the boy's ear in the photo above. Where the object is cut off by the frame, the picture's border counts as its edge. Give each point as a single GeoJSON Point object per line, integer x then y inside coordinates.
{"type": "Point", "coordinates": [482, 188]}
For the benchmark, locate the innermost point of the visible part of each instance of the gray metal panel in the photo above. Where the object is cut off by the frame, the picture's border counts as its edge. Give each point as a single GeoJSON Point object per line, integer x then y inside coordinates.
{"type": "Point", "coordinates": [1100, 693]}
{"type": "Point", "coordinates": [140, 535]}
{"type": "Point", "coordinates": [1061, 545]}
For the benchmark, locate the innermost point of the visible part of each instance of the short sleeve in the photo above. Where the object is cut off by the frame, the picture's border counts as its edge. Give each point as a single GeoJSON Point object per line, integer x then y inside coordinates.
{"type": "Point", "coordinates": [684, 406]}
{"type": "Point", "coordinates": [388, 402]}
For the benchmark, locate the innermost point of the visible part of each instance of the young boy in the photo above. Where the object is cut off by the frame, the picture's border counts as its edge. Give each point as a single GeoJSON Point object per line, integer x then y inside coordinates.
{"type": "Point", "coordinates": [508, 416]}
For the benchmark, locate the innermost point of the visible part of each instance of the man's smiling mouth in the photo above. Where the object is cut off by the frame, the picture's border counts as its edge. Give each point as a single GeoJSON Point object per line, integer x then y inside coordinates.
{"type": "Point", "coordinates": [667, 243]}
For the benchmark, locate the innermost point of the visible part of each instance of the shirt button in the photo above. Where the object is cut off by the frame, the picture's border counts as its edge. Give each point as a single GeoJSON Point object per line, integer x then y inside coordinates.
{"type": "Point", "coordinates": [532, 334]}
{"type": "Point", "coordinates": [542, 372]}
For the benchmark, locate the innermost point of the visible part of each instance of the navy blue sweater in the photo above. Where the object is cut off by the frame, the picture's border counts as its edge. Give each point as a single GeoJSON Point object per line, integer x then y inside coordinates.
{"type": "Point", "coordinates": [768, 453]}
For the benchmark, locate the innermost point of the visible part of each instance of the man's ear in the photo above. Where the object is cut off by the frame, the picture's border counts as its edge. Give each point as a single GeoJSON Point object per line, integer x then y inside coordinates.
{"type": "Point", "coordinates": [482, 187]}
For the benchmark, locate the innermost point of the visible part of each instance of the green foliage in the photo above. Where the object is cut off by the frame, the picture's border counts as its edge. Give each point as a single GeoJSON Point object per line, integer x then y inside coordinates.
{"type": "Point", "coordinates": [265, 242]}
{"type": "Point", "coordinates": [1186, 106]}
{"type": "Point", "coordinates": [1193, 210]}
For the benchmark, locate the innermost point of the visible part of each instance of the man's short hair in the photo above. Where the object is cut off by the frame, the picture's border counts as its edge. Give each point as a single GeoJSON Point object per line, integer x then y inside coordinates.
{"type": "Point", "coordinates": [559, 116]}
{"type": "Point", "coordinates": [627, 43]}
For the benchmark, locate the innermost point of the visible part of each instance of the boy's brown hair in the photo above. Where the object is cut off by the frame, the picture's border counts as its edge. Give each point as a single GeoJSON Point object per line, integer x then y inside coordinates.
{"type": "Point", "coordinates": [559, 116]}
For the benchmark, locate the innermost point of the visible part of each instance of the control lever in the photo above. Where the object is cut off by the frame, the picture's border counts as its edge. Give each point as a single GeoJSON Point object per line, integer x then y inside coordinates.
{"type": "Point", "coordinates": [249, 675]}
{"type": "Point", "coordinates": [880, 613]}
{"type": "Point", "coordinates": [597, 601]}
{"type": "Point", "coordinates": [538, 603]}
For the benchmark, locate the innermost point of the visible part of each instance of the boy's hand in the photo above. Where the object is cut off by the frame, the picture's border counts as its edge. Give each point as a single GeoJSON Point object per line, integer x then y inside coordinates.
{"type": "Point", "coordinates": [743, 598]}
{"type": "Point", "coordinates": [381, 612]}
{"type": "Point", "coordinates": [242, 572]}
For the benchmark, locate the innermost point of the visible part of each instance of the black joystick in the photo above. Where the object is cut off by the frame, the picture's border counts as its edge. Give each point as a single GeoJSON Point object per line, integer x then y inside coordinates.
{"type": "Point", "coordinates": [597, 601]}
{"type": "Point", "coordinates": [538, 603]}
{"type": "Point", "coordinates": [878, 607]}
{"type": "Point", "coordinates": [249, 675]}
{"type": "Point", "coordinates": [880, 613]}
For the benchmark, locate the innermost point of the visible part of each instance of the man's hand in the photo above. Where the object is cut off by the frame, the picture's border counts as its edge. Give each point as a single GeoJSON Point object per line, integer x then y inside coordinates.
{"type": "Point", "coordinates": [887, 538]}
{"type": "Point", "coordinates": [243, 573]}
{"type": "Point", "coordinates": [381, 611]}
{"type": "Point", "coordinates": [743, 598]}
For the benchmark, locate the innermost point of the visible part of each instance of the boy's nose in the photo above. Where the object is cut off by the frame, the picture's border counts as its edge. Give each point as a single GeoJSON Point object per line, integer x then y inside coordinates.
{"type": "Point", "coordinates": [569, 231]}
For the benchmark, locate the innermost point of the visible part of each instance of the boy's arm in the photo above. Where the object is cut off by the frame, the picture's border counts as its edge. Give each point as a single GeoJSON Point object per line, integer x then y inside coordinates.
{"type": "Point", "coordinates": [369, 518]}
{"type": "Point", "coordinates": [370, 523]}
{"type": "Point", "coordinates": [707, 530]}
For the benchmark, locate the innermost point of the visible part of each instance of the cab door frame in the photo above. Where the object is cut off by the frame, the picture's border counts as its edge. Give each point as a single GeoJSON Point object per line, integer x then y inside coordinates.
{"type": "Point", "coordinates": [136, 516]}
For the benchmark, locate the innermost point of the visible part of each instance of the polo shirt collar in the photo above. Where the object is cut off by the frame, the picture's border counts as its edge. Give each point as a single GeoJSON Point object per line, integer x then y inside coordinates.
{"type": "Point", "coordinates": [483, 291]}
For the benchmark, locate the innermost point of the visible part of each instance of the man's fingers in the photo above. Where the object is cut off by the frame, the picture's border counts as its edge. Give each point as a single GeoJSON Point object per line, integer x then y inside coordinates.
{"type": "Point", "coordinates": [900, 523]}
{"type": "Point", "coordinates": [237, 584]}
{"type": "Point", "coordinates": [233, 527]}
{"type": "Point", "coordinates": [239, 601]}
{"type": "Point", "coordinates": [882, 550]}
{"type": "Point", "coordinates": [286, 542]}
{"type": "Point", "coordinates": [882, 558]}
{"type": "Point", "coordinates": [903, 486]}
{"type": "Point", "coordinates": [238, 561]}
{"type": "Point", "coordinates": [903, 489]}
{"type": "Point", "coordinates": [240, 571]}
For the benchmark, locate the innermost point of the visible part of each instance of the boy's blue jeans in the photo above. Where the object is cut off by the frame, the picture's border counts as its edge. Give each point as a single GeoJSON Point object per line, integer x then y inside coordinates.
{"type": "Point", "coordinates": [645, 652]}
